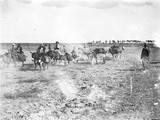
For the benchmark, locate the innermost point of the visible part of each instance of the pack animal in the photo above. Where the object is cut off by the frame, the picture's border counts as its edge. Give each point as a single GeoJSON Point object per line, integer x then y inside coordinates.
{"type": "Point", "coordinates": [42, 61]}
{"type": "Point", "coordinates": [116, 51]}
{"type": "Point", "coordinates": [99, 52]}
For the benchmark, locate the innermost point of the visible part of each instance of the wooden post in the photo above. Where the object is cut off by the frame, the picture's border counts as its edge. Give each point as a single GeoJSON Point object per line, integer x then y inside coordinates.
{"type": "Point", "coordinates": [131, 86]}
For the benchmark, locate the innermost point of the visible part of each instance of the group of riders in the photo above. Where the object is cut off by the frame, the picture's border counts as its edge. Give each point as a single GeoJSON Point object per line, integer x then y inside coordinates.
{"type": "Point", "coordinates": [43, 50]}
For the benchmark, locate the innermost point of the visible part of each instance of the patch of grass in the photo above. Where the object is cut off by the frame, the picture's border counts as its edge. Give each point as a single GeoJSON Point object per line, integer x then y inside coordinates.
{"type": "Point", "coordinates": [27, 81]}
{"type": "Point", "coordinates": [31, 93]}
{"type": "Point", "coordinates": [34, 80]}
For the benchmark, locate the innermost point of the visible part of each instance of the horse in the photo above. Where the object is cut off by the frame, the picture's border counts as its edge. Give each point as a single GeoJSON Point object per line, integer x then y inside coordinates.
{"type": "Point", "coordinates": [21, 58]}
{"type": "Point", "coordinates": [68, 57]}
{"type": "Point", "coordinates": [40, 60]}
{"type": "Point", "coordinates": [99, 51]}
{"type": "Point", "coordinates": [116, 51]}
{"type": "Point", "coordinates": [52, 55]}
{"type": "Point", "coordinates": [65, 57]}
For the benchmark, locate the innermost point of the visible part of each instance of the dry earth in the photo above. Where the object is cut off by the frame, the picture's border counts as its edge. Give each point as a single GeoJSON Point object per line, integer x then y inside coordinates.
{"type": "Point", "coordinates": [79, 91]}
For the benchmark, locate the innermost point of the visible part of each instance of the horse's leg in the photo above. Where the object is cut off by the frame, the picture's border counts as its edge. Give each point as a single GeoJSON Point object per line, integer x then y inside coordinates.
{"type": "Point", "coordinates": [104, 60]}
{"type": "Point", "coordinates": [41, 65]}
{"type": "Point", "coordinates": [120, 55]}
{"type": "Point", "coordinates": [44, 66]}
{"type": "Point", "coordinates": [35, 64]}
{"type": "Point", "coordinates": [22, 64]}
{"type": "Point", "coordinates": [55, 61]}
{"type": "Point", "coordinates": [65, 62]}
{"type": "Point", "coordinates": [52, 60]}
{"type": "Point", "coordinates": [117, 57]}
{"type": "Point", "coordinates": [96, 60]}
{"type": "Point", "coordinates": [15, 63]}
{"type": "Point", "coordinates": [47, 65]}
{"type": "Point", "coordinates": [113, 56]}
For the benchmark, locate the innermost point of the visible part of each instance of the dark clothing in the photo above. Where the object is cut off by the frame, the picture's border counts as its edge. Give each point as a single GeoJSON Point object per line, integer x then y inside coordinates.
{"type": "Point", "coordinates": [41, 51]}
{"type": "Point", "coordinates": [56, 47]}
{"type": "Point", "coordinates": [145, 57]}
{"type": "Point", "coordinates": [49, 48]}
{"type": "Point", "coordinates": [145, 53]}
{"type": "Point", "coordinates": [64, 50]}
{"type": "Point", "coordinates": [19, 50]}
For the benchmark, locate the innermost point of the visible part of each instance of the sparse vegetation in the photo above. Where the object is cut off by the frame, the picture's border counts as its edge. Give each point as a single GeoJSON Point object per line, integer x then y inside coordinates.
{"type": "Point", "coordinates": [38, 96]}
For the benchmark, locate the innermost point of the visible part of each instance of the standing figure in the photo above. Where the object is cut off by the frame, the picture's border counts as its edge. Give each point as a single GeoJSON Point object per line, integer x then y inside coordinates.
{"type": "Point", "coordinates": [145, 56]}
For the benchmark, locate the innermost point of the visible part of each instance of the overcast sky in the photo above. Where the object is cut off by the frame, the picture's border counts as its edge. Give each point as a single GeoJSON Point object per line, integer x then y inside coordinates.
{"type": "Point", "coordinates": [79, 20]}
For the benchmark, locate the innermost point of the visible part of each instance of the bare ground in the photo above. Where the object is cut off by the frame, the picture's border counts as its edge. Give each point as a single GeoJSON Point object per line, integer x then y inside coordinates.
{"type": "Point", "coordinates": [76, 91]}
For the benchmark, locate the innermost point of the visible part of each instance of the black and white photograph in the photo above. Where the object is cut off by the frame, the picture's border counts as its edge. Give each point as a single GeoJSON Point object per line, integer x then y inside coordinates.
{"type": "Point", "coordinates": [79, 59]}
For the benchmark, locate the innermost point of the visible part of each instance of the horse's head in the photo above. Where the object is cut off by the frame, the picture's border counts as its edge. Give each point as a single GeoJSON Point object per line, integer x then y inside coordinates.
{"type": "Point", "coordinates": [34, 55]}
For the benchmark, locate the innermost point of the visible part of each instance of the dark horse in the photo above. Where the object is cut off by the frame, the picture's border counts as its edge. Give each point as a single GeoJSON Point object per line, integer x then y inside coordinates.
{"type": "Point", "coordinates": [56, 56]}
{"type": "Point", "coordinates": [99, 51]}
{"type": "Point", "coordinates": [40, 60]}
{"type": "Point", "coordinates": [116, 50]}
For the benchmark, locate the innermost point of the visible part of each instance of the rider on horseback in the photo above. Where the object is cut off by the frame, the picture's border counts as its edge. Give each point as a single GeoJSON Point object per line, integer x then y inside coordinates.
{"type": "Point", "coordinates": [20, 53]}
{"type": "Point", "coordinates": [13, 52]}
{"type": "Point", "coordinates": [74, 52]}
{"type": "Point", "coordinates": [49, 47]}
{"type": "Point", "coordinates": [57, 48]}
{"type": "Point", "coordinates": [13, 49]}
{"type": "Point", "coordinates": [19, 49]}
{"type": "Point", "coordinates": [64, 49]}
{"type": "Point", "coordinates": [17, 53]}
{"type": "Point", "coordinates": [41, 51]}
